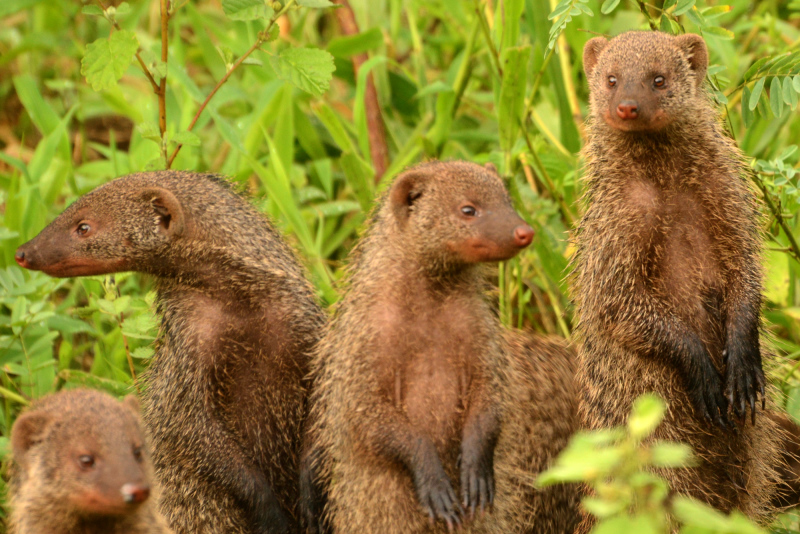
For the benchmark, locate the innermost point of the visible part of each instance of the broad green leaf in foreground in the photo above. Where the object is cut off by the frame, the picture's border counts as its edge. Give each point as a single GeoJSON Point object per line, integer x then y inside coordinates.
{"type": "Point", "coordinates": [309, 69]}
{"type": "Point", "coordinates": [106, 59]}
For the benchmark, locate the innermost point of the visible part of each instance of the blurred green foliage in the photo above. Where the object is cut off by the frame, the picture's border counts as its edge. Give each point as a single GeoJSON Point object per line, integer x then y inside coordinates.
{"type": "Point", "coordinates": [626, 496]}
{"type": "Point", "coordinates": [495, 81]}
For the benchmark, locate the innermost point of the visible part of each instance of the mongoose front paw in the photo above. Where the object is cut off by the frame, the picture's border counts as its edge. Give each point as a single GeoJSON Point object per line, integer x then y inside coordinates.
{"type": "Point", "coordinates": [477, 479]}
{"type": "Point", "coordinates": [705, 392]}
{"type": "Point", "coordinates": [435, 493]}
{"type": "Point", "coordinates": [744, 379]}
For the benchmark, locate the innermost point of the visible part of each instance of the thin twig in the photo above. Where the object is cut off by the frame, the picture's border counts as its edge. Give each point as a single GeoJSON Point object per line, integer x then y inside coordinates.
{"type": "Point", "coordinates": [138, 56]}
{"type": "Point", "coordinates": [795, 249]}
{"type": "Point", "coordinates": [162, 88]}
{"type": "Point", "coordinates": [646, 13]}
{"type": "Point", "coordinates": [261, 38]}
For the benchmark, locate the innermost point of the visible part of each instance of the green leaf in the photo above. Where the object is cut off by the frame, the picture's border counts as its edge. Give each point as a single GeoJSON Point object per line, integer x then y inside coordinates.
{"type": "Point", "coordinates": [756, 94]}
{"type": "Point", "coordinates": [670, 454]}
{"type": "Point", "coordinates": [317, 4]}
{"type": "Point", "coordinates": [683, 6]}
{"type": "Point", "coordinates": [512, 94]}
{"type": "Point", "coordinates": [722, 33]}
{"type": "Point", "coordinates": [142, 353]}
{"type": "Point", "coordinates": [186, 138]}
{"type": "Point", "coordinates": [754, 68]}
{"type": "Point", "coordinates": [92, 9]}
{"type": "Point", "coordinates": [716, 11]}
{"type": "Point", "coordinates": [796, 83]}
{"type": "Point", "coordinates": [309, 69]}
{"type": "Point", "coordinates": [124, 8]}
{"type": "Point", "coordinates": [150, 131]}
{"type": "Point", "coordinates": [747, 114]}
{"type": "Point", "coordinates": [247, 9]}
{"type": "Point", "coordinates": [776, 97]}
{"type": "Point", "coordinates": [107, 59]}
{"type": "Point", "coordinates": [648, 411]}
{"type": "Point", "coordinates": [560, 9]}
{"type": "Point", "coordinates": [356, 44]}
{"type": "Point", "coordinates": [608, 6]}
{"type": "Point", "coordinates": [789, 96]}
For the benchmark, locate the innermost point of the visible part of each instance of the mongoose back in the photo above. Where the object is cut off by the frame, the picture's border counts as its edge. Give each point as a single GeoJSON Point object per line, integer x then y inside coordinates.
{"type": "Point", "coordinates": [225, 396]}
{"type": "Point", "coordinates": [667, 280]}
{"type": "Point", "coordinates": [406, 404]}
{"type": "Point", "coordinates": [81, 466]}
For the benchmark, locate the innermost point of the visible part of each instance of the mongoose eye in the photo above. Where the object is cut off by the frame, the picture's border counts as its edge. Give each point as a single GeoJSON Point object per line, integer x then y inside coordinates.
{"type": "Point", "coordinates": [86, 461]}
{"type": "Point", "coordinates": [469, 211]}
{"type": "Point", "coordinates": [137, 453]}
{"type": "Point", "coordinates": [612, 81]}
{"type": "Point", "coordinates": [658, 81]}
{"type": "Point", "coordinates": [83, 229]}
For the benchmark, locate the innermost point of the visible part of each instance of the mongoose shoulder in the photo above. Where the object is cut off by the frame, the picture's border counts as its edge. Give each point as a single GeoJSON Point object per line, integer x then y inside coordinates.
{"type": "Point", "coordinates": [225, 396]}
{"type": "Point", "coordinates": [667, 276]}
{"type": "Point", "coordinates": [81, 466]}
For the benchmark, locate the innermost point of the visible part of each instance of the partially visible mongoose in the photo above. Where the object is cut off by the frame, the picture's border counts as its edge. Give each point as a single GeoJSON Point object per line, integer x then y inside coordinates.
{"type": "Point", "coordinates": [81, 466]}
{"type": "Point", "coordinates": [667, 281]}
{"type": "Point", "coordinates": [225, 396]}
{"type": "Point", "coordinates": [788, 494]}
{"type": "Point", "coordinates": [540, 413]}
{"type": "Point", "coordinates": [407, 406]}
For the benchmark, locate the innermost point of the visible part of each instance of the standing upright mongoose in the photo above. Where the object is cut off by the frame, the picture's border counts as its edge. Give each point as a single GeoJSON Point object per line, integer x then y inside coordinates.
{"type": "Point", "coordinates": [81, 466]}
{"type": "Point", "coordinates": [667, 281]}
{"type": "Point", "coordinates": [407, 407]}
{"type": "Point", "coordinates": [225, 396]}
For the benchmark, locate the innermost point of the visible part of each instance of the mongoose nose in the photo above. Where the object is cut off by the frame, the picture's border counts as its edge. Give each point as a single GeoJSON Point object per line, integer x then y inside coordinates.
{"type": "Point", "coordinates": [135, 493]}
{"type": "Point", "coordinates": [628, 109]}
{"type": "Point", "coordinates": [21, 259]}
{"type": "Point", "coordinates": [523, 235]}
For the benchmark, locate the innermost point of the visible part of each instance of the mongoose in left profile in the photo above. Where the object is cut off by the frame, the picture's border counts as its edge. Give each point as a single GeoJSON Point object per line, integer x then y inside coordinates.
{"type": "Point", "coordinates": [81, 466]}
{"type": "Point", "coordinates": [667, 276]}
{"type": "Point", "coordinates": [407, 407]}
{"type": "Point", "coordinates": [225, 396]}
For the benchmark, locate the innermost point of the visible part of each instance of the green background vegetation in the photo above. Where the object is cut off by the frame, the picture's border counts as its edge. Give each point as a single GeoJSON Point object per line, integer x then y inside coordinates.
{"type": "Point", "coordinates": [496, 81]}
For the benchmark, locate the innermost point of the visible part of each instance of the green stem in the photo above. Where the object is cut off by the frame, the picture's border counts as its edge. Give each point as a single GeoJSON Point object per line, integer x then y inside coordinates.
{"type": "Point", "coordinates": [487, 35]}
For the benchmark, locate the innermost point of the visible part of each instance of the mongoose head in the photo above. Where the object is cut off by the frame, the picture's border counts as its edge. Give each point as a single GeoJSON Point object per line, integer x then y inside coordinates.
{"type": "Point", "coordinates": [123, 225]}
{"type": "Point", "coordinates": [644, 81]}
{"type": "Point", "coordinates": [84, 449]}
{"type": "Point", "coordinates": [456, 213]}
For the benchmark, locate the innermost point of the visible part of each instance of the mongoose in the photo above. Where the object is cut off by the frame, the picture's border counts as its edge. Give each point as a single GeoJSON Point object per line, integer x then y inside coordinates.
{"type": "Point", "coordinates": [540, 414]}
{"type": "Point", "coordinates": [788, 494]}
{"type": "Point", "coordinates": [225, 395]}
{"type": "Point", "coordinates": [667, 277]}
{"type": "Point", "coordinates": [406, 406]}
{"type": "Point", "coordinates": [81, 466]}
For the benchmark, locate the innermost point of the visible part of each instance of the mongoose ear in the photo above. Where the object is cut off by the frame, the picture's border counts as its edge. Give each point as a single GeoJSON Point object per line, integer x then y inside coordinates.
{"type": "Point", "coordinates": [27, 430]}
{"type": "Point", "coordinates": [694, 47]}
{"type": "Point", "coordinates": [167, 209]}
{"type": "Point", "coordinates": [489, 166]}
{"type": "Point", "coordinates": [404, 193]}
{"type": "Point", "coordinates": [591, 51]}
{"type": "Point", "coordinates": [132, 402]}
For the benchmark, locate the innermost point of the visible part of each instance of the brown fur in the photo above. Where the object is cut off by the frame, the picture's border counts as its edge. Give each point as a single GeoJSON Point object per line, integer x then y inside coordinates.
{"type": "Point", "coordinates": [540, 408]}
{"type": "Point", "coordinates": [410, 368]}
{"type": "Point", "coordinates": [667, 270]}
{"type": "Point", "coordinates": [52, 493]}
{"type": "Point", "coordinates": [225, 395]}
{"type": "Point", "coordinates": [788, 494]}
